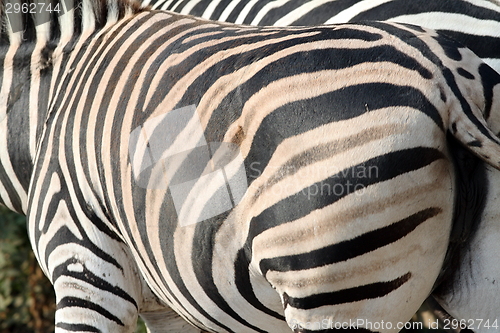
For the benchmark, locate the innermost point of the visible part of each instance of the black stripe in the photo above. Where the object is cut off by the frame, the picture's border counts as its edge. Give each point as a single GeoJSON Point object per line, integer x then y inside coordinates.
{"type": "Point", "coordinates": [301, 116]}
{"type": "Point", "coordinates": [244, 285]}
{"type": "Point", "coordinates": [410, 38]}
{"type": "Point", "coordinates": [46, 76]}
{"type": "Point", "coordinates": [489, 80]}
{"type": "Point", "coordinates": [323, 13]}
{"type": "Point", "coordinates": [475, 143]}
{"type": "Point", "coordinates": [88, 277]}
{"type": "Point", "coordinates": [465, 73]}
{"type": "Point", "coordinates": [167, 243]}
{"type": "Point", "coordinates": [219, 9]}
{"type": "Point", "coordinates": [78, 327]}
{"type": "Point", "coordinates": [202, 257]}
{"type": "Point", "coordinates": [181, 5]}
{"type": "Point", "coordinates": [55, 28]}
{"type": "Point", "coordinates": [200, 7]}
{"type": "Point", "coordinates": [12, 194]}
{"type": "Point", "coordinates": [355, 294]}
{"type": "Point", "coordinates": [450, 80]}
{"type": "Point", "coordinates": [65, 236]}
{"type": "Point", "coordinates": [349, 249]}
{"type": "Point", "coordinates": [69, 301]}
{"type": "Point", "coordinates": [258, 6]}
{"type": "Point", "coordinates": [482, 46]}
{"type": "Point", "coordinates": [18, 129]}
{"type": "Point", "coordinates": [405, 7]}
{"type": "Point", "coordinates": [318, 153]}
{"type": "Point", "coordinates": [236, 11]}
{"type": "Point", "coordinates": [389, 166]}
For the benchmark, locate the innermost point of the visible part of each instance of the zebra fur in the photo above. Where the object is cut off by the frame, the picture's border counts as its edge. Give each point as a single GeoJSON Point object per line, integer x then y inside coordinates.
{"type": "Point", "coordinates": [326, 98]}
{"type": "Point", "coordinates": [474, 23]}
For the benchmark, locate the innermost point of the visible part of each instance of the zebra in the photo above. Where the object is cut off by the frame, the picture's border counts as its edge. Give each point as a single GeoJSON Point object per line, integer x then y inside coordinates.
{"type": "Point", "coordinates": [331, 144]}
{"type": "Point", "coordinates": [474, 23]}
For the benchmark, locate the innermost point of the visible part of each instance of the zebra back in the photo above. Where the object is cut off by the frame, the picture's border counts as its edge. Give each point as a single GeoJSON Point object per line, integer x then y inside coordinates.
{"type": "Point", "coordinates": [476, 23]}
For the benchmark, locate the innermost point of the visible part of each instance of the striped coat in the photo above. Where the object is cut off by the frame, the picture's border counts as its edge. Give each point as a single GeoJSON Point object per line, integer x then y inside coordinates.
{"type": "Point", "coordinates": [337, 167]}
{"type": "Point", "coordinates": [474, 23]}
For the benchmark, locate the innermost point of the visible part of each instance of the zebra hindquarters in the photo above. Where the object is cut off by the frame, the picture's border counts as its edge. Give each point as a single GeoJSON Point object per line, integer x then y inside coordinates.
{"type": "Point", "coordinates": [361, 244]}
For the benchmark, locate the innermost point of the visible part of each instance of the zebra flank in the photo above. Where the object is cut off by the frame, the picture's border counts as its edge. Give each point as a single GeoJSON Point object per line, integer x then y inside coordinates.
{"type": "Point", "coordinates": [227, 178]}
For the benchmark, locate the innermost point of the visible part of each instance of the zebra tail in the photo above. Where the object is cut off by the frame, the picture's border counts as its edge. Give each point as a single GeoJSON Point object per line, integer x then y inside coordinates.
{"type": "Point", "coordinates": [471, 130]}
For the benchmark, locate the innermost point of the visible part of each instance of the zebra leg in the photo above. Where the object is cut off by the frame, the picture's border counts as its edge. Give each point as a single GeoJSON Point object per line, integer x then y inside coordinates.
{"type": "Point", "coordinates": [92, 293]}
{"type": "Point", "coordinates": [96, 281]}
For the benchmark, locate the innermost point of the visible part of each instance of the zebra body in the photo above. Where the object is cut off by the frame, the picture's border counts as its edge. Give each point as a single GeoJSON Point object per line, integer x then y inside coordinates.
{"type": "Point", "coordinates": [342, 131]}
{"type": "Point", "coordinates": [474, 23]}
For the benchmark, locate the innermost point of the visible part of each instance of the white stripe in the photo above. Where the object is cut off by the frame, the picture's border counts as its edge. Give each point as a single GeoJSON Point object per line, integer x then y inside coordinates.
{"type": "Point", "coordinates": [346, 15]}
{"type": "Point", "coordinates": [210, 9]}
{"type": "Point", "coordinates": [244, 12]}
{"type": "Point", "coordinates": [159, 5]}
{"type": "Point", "coordinates": [227, 11]}
{"type": "Point", "coordinates": [33, 96]}
{"type": "Point", "coordinates": [112, 12]}
{"type": "Point", "coordinates": [88, 17]}
{"type": "Point", "coordinates": [450, 21]}
{"type": "Point", "coordinates": [176, 5]}
{"type": "Point", "coordinates": [42, 28]}
{"type": "Point", "coordinates": [66, 22]}
{"type": "Point", "coordinates": [266, 9]}
{"type": "Point", "coordinates": [190, 5]}
{"type": "Point", "coordinates": [493, 63]}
